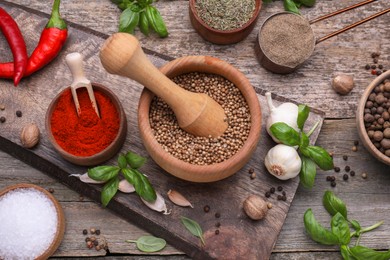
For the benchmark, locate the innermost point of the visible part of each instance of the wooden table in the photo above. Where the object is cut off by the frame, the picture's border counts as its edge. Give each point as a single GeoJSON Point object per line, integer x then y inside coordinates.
{"type": "Point", "coordinates": [367, 199]}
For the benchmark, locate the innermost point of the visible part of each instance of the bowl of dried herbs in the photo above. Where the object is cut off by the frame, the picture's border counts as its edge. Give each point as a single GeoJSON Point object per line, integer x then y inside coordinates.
{"type": "Point", "coordinates": [224, 22]}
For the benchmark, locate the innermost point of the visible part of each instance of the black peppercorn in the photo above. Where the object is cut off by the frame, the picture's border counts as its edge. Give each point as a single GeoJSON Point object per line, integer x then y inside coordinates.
{"type": "Point", "coordinates": [272, 190]}
{"type": "Point", "coordinates": [97, 232]}
{"type": "Point", "coordinates": [347, 168]}
{"type": "Point", "coordinates": [218, 224]}
{"type": "Point", "coordinates": [333, 184]}
{"type": "Point", "coordinates": [356, 142]}
{"type": "Point", "coordinates": [332, 178]}
{"type": "Point", "coordinates": [368, 66]}
{"type": "Point", "coordinates": [217, 215]}
{"type": "Point", "coordinates": [375, 60]}
{"type": "Point", "coordinates": [251, 170]}
{"type": "Point", "coordinates": [206, 208]}
{"type": "Point", "coordinates": [352, 173]}
{"type": "Point", "coordinates": [380, 66]}
{"type": "Point", "coordinates": [284, 198]}
{"type": "Point", "coordinates": [2, 119]}
{"type": "Point", "coordinates": [328, 178]}
{"type": "Point", "coordinates": [87, 239]}
{"type": "Point", "coordinates": [378, 72]}
{"type": "Point", "coordinates": [51, 190]}
{"type": "Point", "coordinates": [336, 169]}
{"type": "Point", "coordinates": [18, 113]}
{"type": "Point", "coordinates": [217, 232]}
{"type": "Point", "coordinates": [280, 188]}
{"type": "Point", "coordinates": [268, 194]}
{"type": "Point", "coordinates": [345, 158]}
{"type": "Point", "coordinates": [345, 177]}
{"type": "Point", "coordinates": [284, 193]}
{"type": "Point", "coordinates": [85, 232]}
{"type": "Point", "coordinates": [280, 197]}
{"type": "Point", "coordinates": [373, 67]}
{"type": "Point", "coordinates": [96, 243]}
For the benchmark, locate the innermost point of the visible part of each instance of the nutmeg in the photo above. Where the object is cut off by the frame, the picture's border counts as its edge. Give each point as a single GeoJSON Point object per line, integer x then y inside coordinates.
{"type": "Point", "coordinates": [343, 84]}
{"type": "Point", "coordinates": [255, 207]}
{"type": "Point", "coordinates": [29, 136]}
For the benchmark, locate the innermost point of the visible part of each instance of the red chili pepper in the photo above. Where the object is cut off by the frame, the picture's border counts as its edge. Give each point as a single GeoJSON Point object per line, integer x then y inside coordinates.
{"type": "Point", "coordinates": [16, 42]}
{"type": "Point", "coordinates": [52, 39]}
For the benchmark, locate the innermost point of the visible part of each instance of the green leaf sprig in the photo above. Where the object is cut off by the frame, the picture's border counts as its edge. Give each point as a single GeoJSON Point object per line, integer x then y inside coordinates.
{"type": "Point", "coordinates": [341, 231]}
{"type": "Point", "coordinates": [193, 227]}
{"type": "Point", "coordinates": [127, 165]}
{"type": "Point", "coordinates": [149, 244]}
{"type": "Point", "coordinates": [140, 13]}
{"type": "Point", "coordinates": [294, 5]}
{"type": "Point", "coordinates": [311, 155]}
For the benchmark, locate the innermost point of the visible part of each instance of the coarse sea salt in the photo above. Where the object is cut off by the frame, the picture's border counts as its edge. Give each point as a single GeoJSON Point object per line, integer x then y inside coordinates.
{"type": "Point", "coordinates": [28, 223]}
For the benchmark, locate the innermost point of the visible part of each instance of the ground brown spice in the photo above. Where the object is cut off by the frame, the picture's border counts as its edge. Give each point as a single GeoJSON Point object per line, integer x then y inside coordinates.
{"type": "Point", "coordinates": [287, 39]}
{"type": "Point", "coordinates": [203, 150]}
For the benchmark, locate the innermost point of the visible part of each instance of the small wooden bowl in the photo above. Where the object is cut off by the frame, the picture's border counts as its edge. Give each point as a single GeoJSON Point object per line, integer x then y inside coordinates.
{"type": "Point", "coordinates": [60, 214]}
{"type": "Point", "coordinates": [103, 155]}
{"type": "Point", "coordinates": [192, 172]}
{"type": "Point", "coordinates": [218, 36]}
{"type": "Point", "coordinates": [360, 121]}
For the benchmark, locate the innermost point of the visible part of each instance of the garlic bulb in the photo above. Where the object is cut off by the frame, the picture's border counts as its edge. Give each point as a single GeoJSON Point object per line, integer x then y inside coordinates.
{"type": "Point", "coordinates": [158, 205]}
{"type": "Point", "coordinates": [286, 113]}
{"type": "Point", "coordinates": [283, 162]}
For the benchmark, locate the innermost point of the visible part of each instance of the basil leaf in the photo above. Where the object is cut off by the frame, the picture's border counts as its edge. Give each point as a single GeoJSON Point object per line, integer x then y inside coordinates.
{"type": "Point", "coordinates": [290, 6]}
{"type": "Point", "coordinates": [333, 204]}
{"type": "Point", "coordinates": [303, 114]}
{"type": "Point", "coordinates": [341, 229]}
{"type": "Point", "coordinates": [122, 163]}
{"type": "Point", "coordinates": [143, 23]}
{"type": "Point", "coordinates": [128, 20]}
{"type": "Point", "coordinates": [317, 232]}
{"type": "Point", "coordinates": [103, 173]}
{"type": "Point", "coordinates": [285, 133]}
{"type": "Point", "coordinates": [109, 190]}
{"type": "Point", "coordinates": [364, 253]}
{"type": "Point", "coordinates": [308, 172]}
{"type": "Point", "coordinates": [298, 4]}
{"type": "Point", "coordinates": [149, 244]}
{"type": "Point", "coordinates": [141, 184]}
{"type": "Point", "coordinates": [307, 3]}
{"type": "Point", "coordinates": [355, 225]}
{"type": "Point", "coordinates": [320, 156]}
{"type": "Point", "coordinates": [345, 253]}
{"type": "Point", "coordinates": [134, 160]}
{"type": "Point", "coordinates": [193, 227]}
{"type": "Point", "coordinates": [156, 21]}
{"type": "Point", "coordinates": [304, 141]}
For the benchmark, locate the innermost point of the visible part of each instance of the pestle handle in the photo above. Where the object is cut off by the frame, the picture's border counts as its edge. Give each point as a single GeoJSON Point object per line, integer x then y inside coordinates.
{"type": "Point", "coordinates": [196, 113]}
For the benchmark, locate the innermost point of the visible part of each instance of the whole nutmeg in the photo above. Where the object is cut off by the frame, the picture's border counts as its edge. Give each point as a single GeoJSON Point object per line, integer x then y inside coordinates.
{"type": "Point", "coordinates": [255, 207]}
{"type": "Point", "coordinates": [29, 136]}
{"type": "Point", "coordinates": [343, 84]}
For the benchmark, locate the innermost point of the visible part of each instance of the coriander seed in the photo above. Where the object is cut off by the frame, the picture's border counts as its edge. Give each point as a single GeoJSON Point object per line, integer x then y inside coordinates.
{"type": "Point", "coordinates": [364, 175]}
{"type": "Point", "coordinates": [2, 107]}
{"type": "Point", "coordinates": [93, 231]}
{"type": "Point", "coordinates": [354, 148]}
{"type": "Point", "coordinates": [269, 205]}
{"type": "Point", "coordinates": [253, 176]}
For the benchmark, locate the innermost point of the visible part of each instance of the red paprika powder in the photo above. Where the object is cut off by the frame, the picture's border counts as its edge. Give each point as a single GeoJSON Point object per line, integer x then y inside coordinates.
{"type": "Point", "coordinates": [87, 134]}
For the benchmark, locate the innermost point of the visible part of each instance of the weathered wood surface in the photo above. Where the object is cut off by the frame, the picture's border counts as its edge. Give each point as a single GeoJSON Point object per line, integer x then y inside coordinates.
{"type": "Point", "coordinates": [33, 96]}
{"type": "Point", "coordinates": [368, 200]}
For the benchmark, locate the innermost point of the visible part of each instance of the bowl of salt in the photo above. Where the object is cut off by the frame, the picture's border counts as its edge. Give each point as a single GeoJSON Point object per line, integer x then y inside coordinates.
{"type": "Point", "coordinates": [32, 222]}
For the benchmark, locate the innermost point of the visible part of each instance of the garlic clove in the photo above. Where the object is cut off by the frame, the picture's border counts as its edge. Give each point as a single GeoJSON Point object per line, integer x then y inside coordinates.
{"type": "Point", "coordinates": [86, 179]}
{"type": "Point", "coordinates": [286, 113]}
{"type": "Point", "coordinates": [283, 162]}
{"type": "Point", "coordinates": [158, 205]}
{"type": "Point", "coordinates": [178, 199]}
{"type": "Point", "coordinates": [126, 187]}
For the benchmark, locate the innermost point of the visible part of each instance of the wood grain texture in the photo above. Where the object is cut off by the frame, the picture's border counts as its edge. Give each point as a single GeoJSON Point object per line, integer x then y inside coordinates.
{"type": "Point", "coordinates": [33, 96]}
{"type": "Point", "coordinates": [347, 53]}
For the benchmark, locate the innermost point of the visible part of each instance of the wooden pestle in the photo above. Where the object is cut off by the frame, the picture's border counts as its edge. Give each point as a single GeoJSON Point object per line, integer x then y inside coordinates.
{"type": "Point", "coordinates": [196, 113]}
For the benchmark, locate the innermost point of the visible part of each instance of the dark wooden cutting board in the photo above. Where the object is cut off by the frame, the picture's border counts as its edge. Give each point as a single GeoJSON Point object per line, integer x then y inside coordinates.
{"type": "Point", "coordinates": [239, 237]}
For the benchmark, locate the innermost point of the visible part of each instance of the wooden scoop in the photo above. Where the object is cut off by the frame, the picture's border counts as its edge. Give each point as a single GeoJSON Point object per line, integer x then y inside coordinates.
{"type": "Point", "coordinates": [196, 113]}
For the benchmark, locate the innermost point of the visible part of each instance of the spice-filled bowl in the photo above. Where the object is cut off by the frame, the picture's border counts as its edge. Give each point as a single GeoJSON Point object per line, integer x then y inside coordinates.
{"type": "Point", "coordinates": [228, 23]}
{"type": "Point", "coordinates": [373, 118]}
{"type": "Point", "coordinates": [284, 42]}
{"type": "Point", "coordinates": [86, 139]}
{"type": "Point", "coordinates": [202, 159]}
{"type": "Point", "coordinates": [33, 222]}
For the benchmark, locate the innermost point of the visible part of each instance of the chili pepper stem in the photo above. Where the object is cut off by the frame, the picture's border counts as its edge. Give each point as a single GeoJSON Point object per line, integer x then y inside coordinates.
{"type": "Point", "coordinates": [55, 19]}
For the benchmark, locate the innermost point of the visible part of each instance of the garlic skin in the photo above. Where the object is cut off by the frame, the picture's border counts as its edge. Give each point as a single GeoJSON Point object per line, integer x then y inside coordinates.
{"type": "Point", "coordinates": [86, 179]}
{"type": "Point", "coordinates": [286, 113]}
{"type": "Point", "coordinates": [283, 162]}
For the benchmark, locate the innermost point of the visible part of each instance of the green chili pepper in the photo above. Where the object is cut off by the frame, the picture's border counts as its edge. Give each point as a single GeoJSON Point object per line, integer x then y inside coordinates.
{"type": "Point", "coordinates": [156, 21]}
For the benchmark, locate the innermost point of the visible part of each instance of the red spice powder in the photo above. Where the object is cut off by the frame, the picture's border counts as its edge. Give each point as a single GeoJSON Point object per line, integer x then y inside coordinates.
{"type": "Point", "coordinates": [88, 134]}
